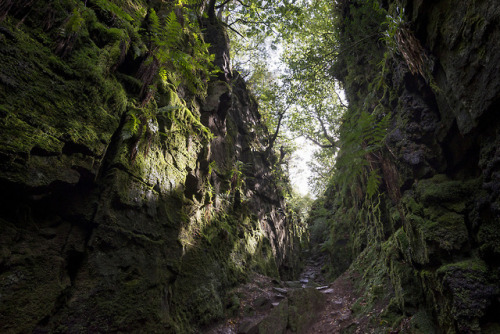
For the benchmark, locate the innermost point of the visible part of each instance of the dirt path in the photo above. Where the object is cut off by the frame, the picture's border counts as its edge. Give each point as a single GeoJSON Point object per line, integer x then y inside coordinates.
{"type": "Point", "coordinates": [312, 270]}
{"type": "Point", "coordinates": [262, 298]}
{"type": "Point", "coordinates": [336, 314]}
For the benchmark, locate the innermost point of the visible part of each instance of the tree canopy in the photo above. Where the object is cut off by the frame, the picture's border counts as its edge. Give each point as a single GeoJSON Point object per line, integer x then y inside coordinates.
{"type": "Point", "coordinates": [285, 51]}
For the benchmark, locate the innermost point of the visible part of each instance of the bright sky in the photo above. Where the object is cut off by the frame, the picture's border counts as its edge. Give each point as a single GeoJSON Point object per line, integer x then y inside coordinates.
{"type": "Point", "coordinates": [299, 171]}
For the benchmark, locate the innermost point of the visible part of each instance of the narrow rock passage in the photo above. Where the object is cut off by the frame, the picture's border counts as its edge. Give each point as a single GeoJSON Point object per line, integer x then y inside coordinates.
{"type": "Point", "coordinates": [312, 269]}
{"type": "Point", "coordinates": [309, 305]}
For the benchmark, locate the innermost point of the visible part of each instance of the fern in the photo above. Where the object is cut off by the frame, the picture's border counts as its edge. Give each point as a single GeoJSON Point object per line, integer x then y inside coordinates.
{"type": "Point", "coordinates": [361, 137]}
{"type": "Point", "coordinates": [113, 9]}
{"type": "Point", "coordinates": [131, 127]}
{"type": "Point", "coordinates": [180, 50]}
{"type": "Point", "coordinates": [75, 22]}
{"type": "Point", "coordinates": [373, 183]}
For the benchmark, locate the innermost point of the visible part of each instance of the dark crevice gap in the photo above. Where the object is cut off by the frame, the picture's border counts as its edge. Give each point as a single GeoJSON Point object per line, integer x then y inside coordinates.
{"type": "Point", "coordinates": [111, 149]}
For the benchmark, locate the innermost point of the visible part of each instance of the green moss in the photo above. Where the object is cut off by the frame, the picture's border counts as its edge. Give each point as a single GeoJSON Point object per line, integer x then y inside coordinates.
{"type": "Point", "coordinates": [374, 284]}
{"type": "Point", "coordinates": [62, 102]}
{"type": "Point", "coordinates": [66, 112]}
{"type": "Point", "coordinates": [403, 243]}
{"type": "Point", "coordinates": [20, 137]}
{"type": "Point", "coordinates": [449, 231]}
{"type": "Point", "coordinates": [440, 189]}
{"type": "Point", "coordinates": [303, 305]}
{"type": "Point", "coordinates": [474, 265]}
{"type": "Point", "coordinates": [392, 314]}
{"type": "Point", "coordinates": [489, 237]}
{"type": "Point", "coordinates": [421, 323]}
{"type": "Point", "coordinates": [403, 277]}
{"type": "Point", "coordinates": [35, 287]}
{"type": "Point", "coordinates": [469, 289]}
{"type": "Point", "coordinates": [412, 206]}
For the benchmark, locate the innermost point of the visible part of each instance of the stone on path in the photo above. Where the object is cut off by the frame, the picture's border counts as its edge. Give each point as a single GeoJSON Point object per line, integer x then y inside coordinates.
{"type": "Point", "coordinates": [327, 291]}
{"type": "Point", "coordinates": [280, 290]}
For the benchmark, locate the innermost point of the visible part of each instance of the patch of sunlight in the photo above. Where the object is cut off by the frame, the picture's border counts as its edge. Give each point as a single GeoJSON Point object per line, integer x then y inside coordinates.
{"type": "Point", "coordinates": [253, 241]}
{"type": "Point", "coordinates": [190, 234]}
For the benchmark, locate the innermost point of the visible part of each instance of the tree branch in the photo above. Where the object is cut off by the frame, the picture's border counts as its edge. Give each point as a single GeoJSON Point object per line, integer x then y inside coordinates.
{"type": "Point", "coordinates": [246, 22]}
{"type": "Point", "coordinates": [340, 100]}
{"type": "Point", "coordinates": [236, 31]}
{"type": "Point", "coordinates": [223, 4]}
{"type": "Point", "coordinates": [248, 6]}
{"type": "Point", "coordinates": [325, 132]}
{"type": "Point", "coordinates": [275, 135]}
{"type": "Point", "coordinates": [318, 143]}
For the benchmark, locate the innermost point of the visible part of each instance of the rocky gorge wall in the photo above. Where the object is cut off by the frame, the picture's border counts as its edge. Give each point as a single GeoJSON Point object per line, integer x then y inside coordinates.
{"type": "Point", "coordinates": [426, 243]}
{"type": "Point", "coordinates": [128, 205]}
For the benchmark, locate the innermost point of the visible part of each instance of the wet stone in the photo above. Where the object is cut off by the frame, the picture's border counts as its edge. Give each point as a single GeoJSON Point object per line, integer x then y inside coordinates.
{"type": "Point", "coordinates": [280, 290]}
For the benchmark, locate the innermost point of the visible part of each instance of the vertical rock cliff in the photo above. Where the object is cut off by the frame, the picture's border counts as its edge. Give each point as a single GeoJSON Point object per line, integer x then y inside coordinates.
{"type": "Point", "coordinates": [424, 238]}
{"type": "Point", "coordinates": [134, 191]}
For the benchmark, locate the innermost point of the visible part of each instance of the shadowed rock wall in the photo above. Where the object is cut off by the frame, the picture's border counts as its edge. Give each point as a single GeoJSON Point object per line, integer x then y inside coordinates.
{"type": "Point", "coordinates": [117, 215]}
{"type": "Point", "coordinates": [432, 253]}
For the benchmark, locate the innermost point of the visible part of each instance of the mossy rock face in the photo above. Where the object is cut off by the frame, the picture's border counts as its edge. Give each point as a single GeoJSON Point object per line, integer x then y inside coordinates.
{"type": "Point", "coordinates": [448, 231]}
{"type": "Point", "coordinates": [331, 232]}
{"type": "Point", "coordinates": [422, 323]}
{"type": "Point", "coordinates": [122, 214]}
{"type": "Point", "coordinates": [489, 236]}
{"type": "Point", "coordinates": [459, 34]}
{"type": "Point", "coordinates": [435, 233]}
{"type": "Point", "coordinates": [276, 321]}
{"type": "Point", "coordinates": [57, 120]}
{"type": "Point", "coordinates": [471, 292]}
{"type": "Point", "coordinates": [436, 224]}
{"type": "Point", "coordinates": [30, 290]}
{"type": "Point", "coordinates": [403, 277]}
{"type": "Point", "coordinates": [443, 144]}
{"type": "Point", "coordinates": [303, 307]}
{"type": "Point", "coordinates": [439, 189]}
{"type": "Point", "coordinates": [295, 313]}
